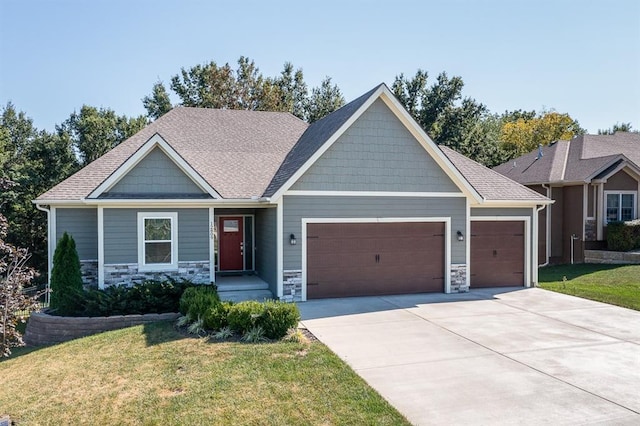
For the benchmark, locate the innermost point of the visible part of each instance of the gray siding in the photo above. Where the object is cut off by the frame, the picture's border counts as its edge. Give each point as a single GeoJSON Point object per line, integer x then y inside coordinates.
{"type": "Point", "coordinates": [82, 225]}
{"type": "Point", "coordinates": [377, 153]}
{"type": "Point", "coordinates": [298, 207]}
{"type": "Point", "coordinates": [121, 234]}
{"type": "Point", "coordinates": [266, 253]}
{"type": "Point", "coordinates": [154, 174]}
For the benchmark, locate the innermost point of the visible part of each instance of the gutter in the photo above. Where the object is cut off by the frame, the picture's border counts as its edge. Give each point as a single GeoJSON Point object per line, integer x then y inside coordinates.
{"type": "Point", "coordinates": [49, 254]}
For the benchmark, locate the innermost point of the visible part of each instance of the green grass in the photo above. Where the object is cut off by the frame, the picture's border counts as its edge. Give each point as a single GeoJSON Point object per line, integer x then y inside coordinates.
{"type": "Point", "coordinates": [614, 284]}
{"type": "Point", "coordinates": [154, 375]}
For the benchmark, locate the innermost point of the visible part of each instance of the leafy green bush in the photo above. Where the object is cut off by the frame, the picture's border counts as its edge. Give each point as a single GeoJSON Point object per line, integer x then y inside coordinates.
{"type": "Point", "coordinates": [216, 318]}
{"type": "Point", "coordinates": [623, 236]}
{"type": "Point", "coordinates": [148, 297]}
{"type": "Point", "coordinates": [273, 317]}
{"type": "Point", "coordinates": [197, 301]}
{"type": "Point", "coordinates": [66, 278]}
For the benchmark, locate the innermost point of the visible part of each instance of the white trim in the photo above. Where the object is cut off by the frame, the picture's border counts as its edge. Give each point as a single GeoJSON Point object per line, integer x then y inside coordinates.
{"type": "Point", "coordinates": [372, 194]}
{"type": "Point", "coordinates": [228, 203]}
{"type": "Point", "coordinates": [513, 203]}
{"type": "Point", "coordinates": [212, 242]}
{"type": "Point", "coordinates": [468, 243]}
{"type": "Point", "coordinates": [400, 112]}
{"type": "Point", "coordinates": [447, 240]}
{"type": "Point", "coordinates": [173, 217]}
{"type": "Point", "coordinates": [527, 240]}
{"type": "Point", "coordinates": [620, 192]}
{"type": "Point", "coordinates": [280, 248]}
{"type": "Point", "coordinates": [601, 213]}
{"type": "Point", "coordinates": [100, 247]}
{"type": "Point", "coordinates": [154, 141]}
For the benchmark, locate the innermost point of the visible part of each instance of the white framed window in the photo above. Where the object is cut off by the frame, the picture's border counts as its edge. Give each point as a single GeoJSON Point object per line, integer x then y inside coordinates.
{"type": "Point", "coordinates": [619, 206]}
{"type": "Point", "coordinates": [157, 241]}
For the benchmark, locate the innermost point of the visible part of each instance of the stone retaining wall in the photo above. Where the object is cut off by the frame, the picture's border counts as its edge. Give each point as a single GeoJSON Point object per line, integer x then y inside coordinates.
{"type": "Point", "coordinates": [128, 274]}
{"type": "Point", "coordinates": [613, 257]}
{"type": "Point", "coordinates": [44, 329]}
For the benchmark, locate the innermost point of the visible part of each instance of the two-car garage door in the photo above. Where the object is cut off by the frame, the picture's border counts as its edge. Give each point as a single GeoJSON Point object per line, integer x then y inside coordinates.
{"type": "Point", "coordinates": [361, 259]}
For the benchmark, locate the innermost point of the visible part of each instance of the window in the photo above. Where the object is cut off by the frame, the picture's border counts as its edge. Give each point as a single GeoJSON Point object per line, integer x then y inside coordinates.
{"type": "Point", "coordinates": [157, 241]}
{"type": "Point", "coordinates": [621, 206]}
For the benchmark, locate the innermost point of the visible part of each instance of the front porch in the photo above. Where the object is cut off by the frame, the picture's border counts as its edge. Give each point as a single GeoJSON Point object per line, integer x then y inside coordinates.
{"type": "Point", "coordinates": [237, 288]}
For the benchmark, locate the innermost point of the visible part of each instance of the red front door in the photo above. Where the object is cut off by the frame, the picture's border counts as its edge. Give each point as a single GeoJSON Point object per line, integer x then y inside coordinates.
{"type": "Point", "coordinates": [231, 244]}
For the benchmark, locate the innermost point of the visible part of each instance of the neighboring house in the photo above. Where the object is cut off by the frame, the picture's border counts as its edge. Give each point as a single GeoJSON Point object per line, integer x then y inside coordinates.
{"type": "Point", "coordinates": [361, 202]}
{"type": "Point", "coordinates": [592, 179]}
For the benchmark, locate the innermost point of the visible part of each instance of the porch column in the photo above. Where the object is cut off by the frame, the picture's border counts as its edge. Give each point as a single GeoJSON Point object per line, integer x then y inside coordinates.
{"type": "Point", "coordinates": [600, 211]}
{"type": "Point", "coordinates": [212, 245]}
{"type": "Point", "coordinates": [100, 247]}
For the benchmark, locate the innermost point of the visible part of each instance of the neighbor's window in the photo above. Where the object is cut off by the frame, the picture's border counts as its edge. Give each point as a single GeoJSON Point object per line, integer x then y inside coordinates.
{"type": "Point", "coordinates": [620, 206]}
{"type": "Point", "coordinates": [157, 245]}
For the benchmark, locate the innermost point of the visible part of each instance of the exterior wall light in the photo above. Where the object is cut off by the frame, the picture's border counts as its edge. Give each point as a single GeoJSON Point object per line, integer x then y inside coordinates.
{"type": "Point", "coordinates": [292, 240]}
{"type": "Point", "coordinates": [460, 236]}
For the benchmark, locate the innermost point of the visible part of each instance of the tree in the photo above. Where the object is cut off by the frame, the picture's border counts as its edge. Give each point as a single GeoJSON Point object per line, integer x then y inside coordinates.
{"type": "Point", "coordinates": [15, 275]}
{"type": "Point", "coordinates": [526, 134]}
{"type": "Point", "coordinates": [293, 91]}
{"type": "Point", "coordinates": [158, 103]}
{"type": "Point", "coordinates": [66, 277]}
{"type": "Point", "coordinates": [94, 131]}
{"type": "Point", "coordinates": [618, 127]}
{"type": "Point", "coordinates": [324, 100]}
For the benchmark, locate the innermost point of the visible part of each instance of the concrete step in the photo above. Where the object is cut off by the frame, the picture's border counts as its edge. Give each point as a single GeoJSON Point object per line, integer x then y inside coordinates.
{"type": "Point", "coordinates": [258, 285]}
{"type": "Point", "coordinates": [242, 295]}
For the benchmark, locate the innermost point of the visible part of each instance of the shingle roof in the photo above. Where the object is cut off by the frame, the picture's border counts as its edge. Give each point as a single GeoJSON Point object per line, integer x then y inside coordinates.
{"type": "Point", "coordinates": [490, 184]}
{"type": "Point", "coordinates": [573, 161]}
{"type": "Point", "coordinates": [236, 152]}
{"type": "Point", "coordinates": [313, 138]}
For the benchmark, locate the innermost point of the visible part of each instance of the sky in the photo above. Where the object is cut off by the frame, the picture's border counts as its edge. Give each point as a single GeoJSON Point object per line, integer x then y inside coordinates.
{"type": "Point", "coordinates": [580, 57]}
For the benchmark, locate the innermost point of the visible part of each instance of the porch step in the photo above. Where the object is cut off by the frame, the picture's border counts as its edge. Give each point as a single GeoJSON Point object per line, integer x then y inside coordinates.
{"type": "Point", "coordinates": [242, 295]}
{"type": "Point", "coordinates": [243, 286]}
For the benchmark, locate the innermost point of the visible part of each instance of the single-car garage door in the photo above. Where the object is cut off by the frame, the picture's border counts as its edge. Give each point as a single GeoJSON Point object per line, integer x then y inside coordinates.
{"type": "Point", "coordinates": [497, 253]}
{"type": "Point", "coordinates": [364, 259]}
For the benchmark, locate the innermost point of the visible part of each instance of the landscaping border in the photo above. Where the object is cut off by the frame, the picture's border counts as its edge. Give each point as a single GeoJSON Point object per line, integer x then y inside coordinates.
{"type": "Point", "coordinates": [45, 329]}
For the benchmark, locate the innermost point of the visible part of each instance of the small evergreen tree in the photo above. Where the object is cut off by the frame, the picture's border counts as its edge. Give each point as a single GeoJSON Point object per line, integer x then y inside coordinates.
{"type": "Point", "coordinates": [66, 278]}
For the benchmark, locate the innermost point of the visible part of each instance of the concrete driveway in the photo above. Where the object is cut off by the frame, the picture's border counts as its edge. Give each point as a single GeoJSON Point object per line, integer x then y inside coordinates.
{"type": "Point", "coordinates": [497, 356]}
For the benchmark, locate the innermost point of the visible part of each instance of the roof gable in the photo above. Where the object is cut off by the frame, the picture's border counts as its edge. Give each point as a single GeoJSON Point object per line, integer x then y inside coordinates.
{"type": "Point", "coordinates": [376, 153]}
{"type": "Point", "coordinates": [321, 135]}
{"type": "Point", "coordinates": [158, 145]}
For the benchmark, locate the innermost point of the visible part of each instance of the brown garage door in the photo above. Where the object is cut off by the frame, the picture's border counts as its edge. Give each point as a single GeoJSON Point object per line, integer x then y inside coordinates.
{"type": "Point", "coordinates": [497, 254]}
{"type": "Point", "coordinates": [363, 259]}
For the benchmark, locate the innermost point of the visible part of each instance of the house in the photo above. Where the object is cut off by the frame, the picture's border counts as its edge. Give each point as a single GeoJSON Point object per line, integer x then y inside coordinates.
{"type": "Point", "coordinates": [593, 179]}
{"type": "Point", "coordinates": [361, 202]}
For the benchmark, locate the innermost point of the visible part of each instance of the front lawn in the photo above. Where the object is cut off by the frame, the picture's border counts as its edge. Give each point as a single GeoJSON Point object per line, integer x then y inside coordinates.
{"type": "Point", "coordinates": [614, 284]}
{"type": "Point", "coordinates": [154, 375]}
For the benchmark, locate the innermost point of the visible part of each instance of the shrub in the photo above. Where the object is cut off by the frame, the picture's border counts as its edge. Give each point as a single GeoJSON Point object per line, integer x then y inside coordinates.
{"type": "Point", "coordinates": [216, 318]}
{"type": "Point", "coordinates": [623, 236]}
{"type": "Point", "coordinates": [66, 278]}
{"type": "Point", "coordinates": [273, 317]}
{"type": "Point", "coordinates": [244, 316]}
{"type": "Point", "coordinates": [197, 301]}
{"type": "Point", "coordinates": [254, 335]}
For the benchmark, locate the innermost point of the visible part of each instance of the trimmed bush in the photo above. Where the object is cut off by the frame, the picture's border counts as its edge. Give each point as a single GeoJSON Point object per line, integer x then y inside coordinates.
{"type": "Point", "coordinates": [197, 301]}
{"type": "Point", "coordinates": [623, 236]}
{"type": "Point", "coordinates": [275, 318]}
{"type": "Point", "coordinates": [216, 318]}
{"type": "Point", "coordinates": [66, 278]}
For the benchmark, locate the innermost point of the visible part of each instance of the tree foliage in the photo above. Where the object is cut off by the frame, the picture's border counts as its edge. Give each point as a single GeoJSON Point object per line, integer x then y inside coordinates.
{"type": "Point", "coordinates": [525, 134]}
{"type": "Point", "coordinates": [66, 277]}
{"type": "Point", "coordinates": [94, 131]}
{"type": "Point", "coordinates": [618, 127]}
{"type": "Point", "coordinates": [324, 100]}
{"type": "Point", "coordinates": [15, 276]}
{"type": "Point", "coordinates": [158, 103]}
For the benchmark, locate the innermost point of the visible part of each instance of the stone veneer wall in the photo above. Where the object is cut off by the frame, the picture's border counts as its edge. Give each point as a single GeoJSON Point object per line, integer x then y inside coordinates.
{"type": "Point", "coordinates": [611, 257]}
{"type": "Point", "coordinates": [43, 329]}
{"type": "Point", "coordinates": [459, 278]}
{"type": "Point", "coordinates": [590, 230]}
{"type": "Point", "coordinates": [292, 285]}
{"type": "Point", "coordinates": [128, 274]}
{"type": "Point", "coordinates": [89, 270]}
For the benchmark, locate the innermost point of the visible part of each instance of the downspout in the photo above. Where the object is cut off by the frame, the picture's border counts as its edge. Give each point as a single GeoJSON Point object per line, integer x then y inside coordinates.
{"type": "Point", "coordinates": [49, 254]}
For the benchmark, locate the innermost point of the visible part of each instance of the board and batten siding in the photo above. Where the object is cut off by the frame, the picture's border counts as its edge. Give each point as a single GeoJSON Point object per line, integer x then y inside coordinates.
{"type": "Point", "coordinates": [266, 243]}
{"type": "Point", "coordinates": [82, 225]}
{"type": "Point", "coordinates": [121, 234]}
{"type": "Point", "coordinates": [155, 173]}
{"type": "Point", "coordinates": [376, 153]}
{"type": "Point", "coordinates": [298, 207]}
